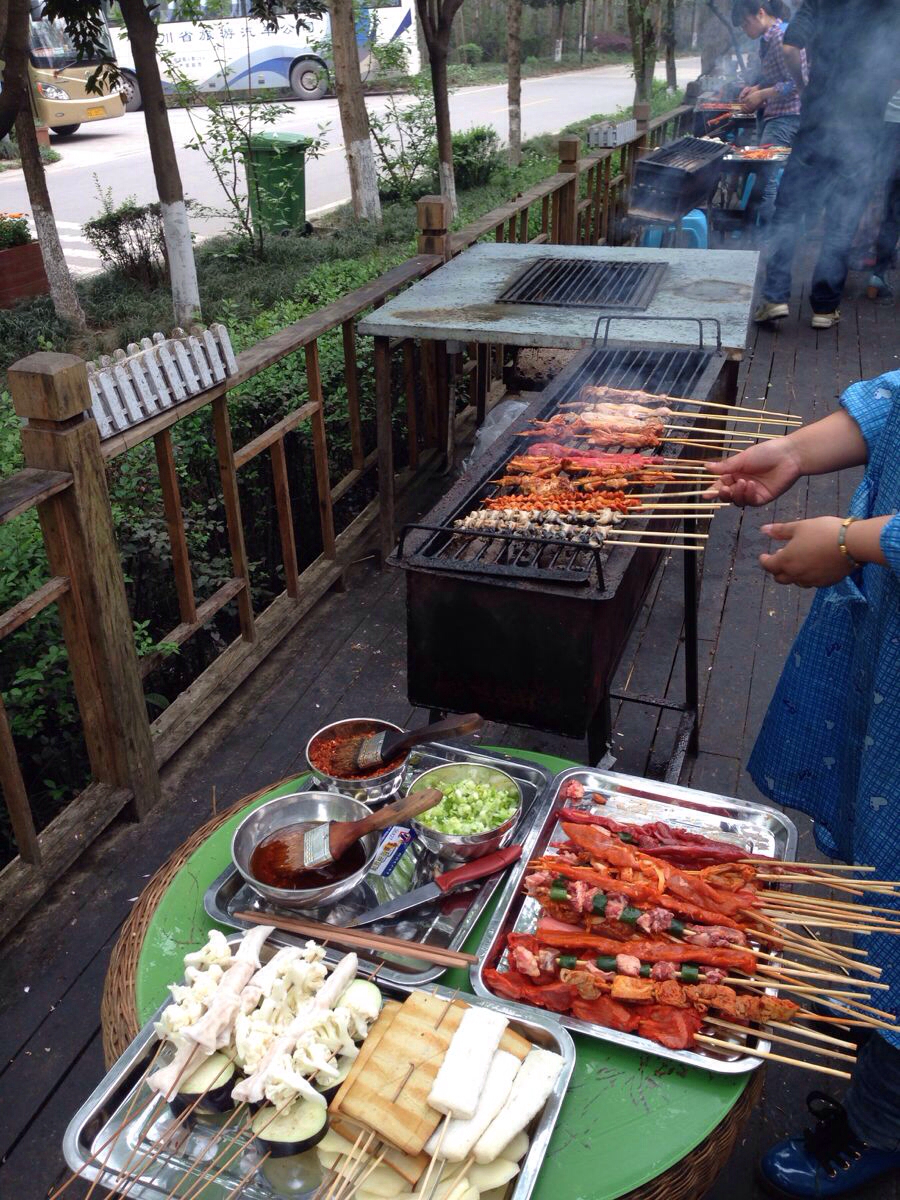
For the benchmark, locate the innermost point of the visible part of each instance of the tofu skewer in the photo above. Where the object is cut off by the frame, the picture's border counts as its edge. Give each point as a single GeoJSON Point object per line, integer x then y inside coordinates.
{"type": "Point", "coordinates": [531, 1087]}
{"type": "Point", "coordinates": [459, 1082]}
{"type": "Point", "coordinates": [461, 1134]}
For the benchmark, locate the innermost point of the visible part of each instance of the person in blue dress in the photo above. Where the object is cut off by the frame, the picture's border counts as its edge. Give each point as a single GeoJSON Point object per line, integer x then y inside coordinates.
{"type": "Point", "coordinates": [830, 741]}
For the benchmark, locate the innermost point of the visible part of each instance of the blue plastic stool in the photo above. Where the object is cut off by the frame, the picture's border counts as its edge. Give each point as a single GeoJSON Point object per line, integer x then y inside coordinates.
{"type": "Point", "coordinates": [693, 226]}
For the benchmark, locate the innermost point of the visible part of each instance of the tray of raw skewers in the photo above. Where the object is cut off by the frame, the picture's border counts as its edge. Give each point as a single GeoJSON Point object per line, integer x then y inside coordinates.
{"type": "Point", "coordinates": [656, 917]}
{"type": "Point", "coordinates": [569, 485]}
{"type": "Point", "coordinates": [268, 1074]}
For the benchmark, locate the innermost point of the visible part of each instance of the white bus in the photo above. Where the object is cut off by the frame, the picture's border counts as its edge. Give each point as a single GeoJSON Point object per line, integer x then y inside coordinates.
{"type": "Point", "coordinates": [226, 44]}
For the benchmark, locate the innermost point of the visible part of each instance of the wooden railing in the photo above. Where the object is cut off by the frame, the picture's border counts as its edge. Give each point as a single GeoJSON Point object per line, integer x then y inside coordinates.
{"type": "Point", "coordinates": [65, 481]}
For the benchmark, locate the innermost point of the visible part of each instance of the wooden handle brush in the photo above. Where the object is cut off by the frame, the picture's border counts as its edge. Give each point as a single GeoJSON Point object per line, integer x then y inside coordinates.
{"type": "Point", "coordinates": [304, 849]}
{"type": "Point", "coordinates": [375, 749]}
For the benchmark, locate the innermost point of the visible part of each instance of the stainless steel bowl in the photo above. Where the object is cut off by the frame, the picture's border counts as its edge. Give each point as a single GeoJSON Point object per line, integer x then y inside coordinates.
{"type": "Point", "coordinates": [292, 810]}
{"type": "Point", "coordinates": [374, 789]}
{"type": "Point", "coordinates": [458, 848]}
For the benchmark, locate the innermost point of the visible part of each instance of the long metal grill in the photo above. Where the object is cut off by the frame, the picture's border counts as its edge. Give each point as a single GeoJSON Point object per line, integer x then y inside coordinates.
{"type": "Point", "coordinates": [585, 283]}
{"type": "Point", "coordinates": [687, 154]}
{"type": "Point", "coordinates": [545, 559]}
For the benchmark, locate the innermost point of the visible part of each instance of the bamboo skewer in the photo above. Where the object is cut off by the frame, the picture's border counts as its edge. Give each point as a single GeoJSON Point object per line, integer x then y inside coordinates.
{"type": "Point", "coordinates": [841, 885]}
{"type": "Point", "coordinates": [815, 922]}
{"type": "Point", "coordinates": [718, 1044]}
{"type": "Point", "coordinates": [714, 434]}
{"type": "Point", "coordinates": [790, 418]}
{"type": "Point", "coordinates": [360, 1179]}
{"type": "Point", "coordinates": [779, 1038]}
{"type": "Point", "coordinates": [802, 989]}
{"type": "Point", "coordinates": [811, 1033]}
{"type": "Point", "coordinates": [791, 866]}
{"type": "Point", "coordinates": [825, 976]}
{"type": "Point", "coordinates": [654, 545]}
{"type": "Point", "coordinates": [110, 1141]}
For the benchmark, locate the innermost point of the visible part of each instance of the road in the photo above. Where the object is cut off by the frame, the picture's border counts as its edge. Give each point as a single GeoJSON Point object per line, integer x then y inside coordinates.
{"type": "Point", "coordinates": [116, 152]}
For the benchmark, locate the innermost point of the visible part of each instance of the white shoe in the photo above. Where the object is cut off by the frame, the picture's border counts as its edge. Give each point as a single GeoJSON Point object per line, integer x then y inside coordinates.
{"type": "Point", "coordinates": [826, 320]}
{"type": "Point", "coordinates": [771, 310]}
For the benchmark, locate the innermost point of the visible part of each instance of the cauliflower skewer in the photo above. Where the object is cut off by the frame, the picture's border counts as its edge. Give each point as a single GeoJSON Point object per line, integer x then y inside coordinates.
{"type": "Point", "coordinates": [212, 1030]}
{"type": "Point", "coordinates": [253, 1088]}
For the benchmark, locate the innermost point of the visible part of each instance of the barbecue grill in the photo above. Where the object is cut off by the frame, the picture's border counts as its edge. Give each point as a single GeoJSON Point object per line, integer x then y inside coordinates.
{"type": "Point", "coordinates": [529, 630]}
{"type": "Point", "coordinates": [585, 283]}
{"type": "Point", "coordinates": [674, 179]}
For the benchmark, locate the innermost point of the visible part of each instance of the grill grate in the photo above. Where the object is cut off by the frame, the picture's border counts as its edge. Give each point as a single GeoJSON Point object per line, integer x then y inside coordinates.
{"type": "Point", "coordinates": [545, 560]}
{"type": "Point", "coordinates": [687, 154]}
{"type": "Point", "coordinates": [585, 283]}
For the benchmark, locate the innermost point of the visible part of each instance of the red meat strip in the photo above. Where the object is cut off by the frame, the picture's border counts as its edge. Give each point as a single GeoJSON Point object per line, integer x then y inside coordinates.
{"type": "Point", "coordinates": [646, 950]}
{"type": "Point", "coordinates": [604, 1011]}
{"type": "Point", "coordinates": [671, 1027]}
{"type": "Point", "coordinates": [557, 997]}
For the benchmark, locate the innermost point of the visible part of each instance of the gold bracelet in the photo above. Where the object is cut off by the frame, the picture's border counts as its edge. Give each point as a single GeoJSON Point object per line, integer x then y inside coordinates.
{"type": "Point", "coordinates": [842, 543]}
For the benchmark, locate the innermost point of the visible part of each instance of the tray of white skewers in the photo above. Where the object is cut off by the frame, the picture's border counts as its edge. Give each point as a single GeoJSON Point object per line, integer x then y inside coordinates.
{"type": "Point", "coordinates": [273, 1073]}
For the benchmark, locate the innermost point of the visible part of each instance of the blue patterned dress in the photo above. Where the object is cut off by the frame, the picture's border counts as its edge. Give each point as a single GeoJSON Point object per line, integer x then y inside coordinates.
{"type": "Point", "coordinates": [830, 741]}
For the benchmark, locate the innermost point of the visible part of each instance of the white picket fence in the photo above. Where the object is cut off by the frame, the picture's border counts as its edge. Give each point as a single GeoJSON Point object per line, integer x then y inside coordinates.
{"type": "Point", "coordinates": [130, 386]}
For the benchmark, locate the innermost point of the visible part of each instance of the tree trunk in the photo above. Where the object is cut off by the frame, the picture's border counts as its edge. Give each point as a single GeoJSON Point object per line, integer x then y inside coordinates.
{"type": "Point", "coordinates": [142, 35]}
{"type": "Point", "coordinates": [14, 49]}
{"type": "Point", "coordinates": [62, 290]}
{"type": "Point", "coordinates": [354, 118]}
{"type": "Point", "coordinates": [642, 27]}
{"type": "Point", "coordinates": [514, 78]}
{"type": "Point", "coordinates": [438, 56]}
{"type": "Point", "coordinates": [558, 16]}
{"type": "Point", "coordinates": [669, 43]}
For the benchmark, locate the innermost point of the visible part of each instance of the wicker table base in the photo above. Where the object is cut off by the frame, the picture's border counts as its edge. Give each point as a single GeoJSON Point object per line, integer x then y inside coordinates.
{"type": "Point", "coordinates": [688, 1179]}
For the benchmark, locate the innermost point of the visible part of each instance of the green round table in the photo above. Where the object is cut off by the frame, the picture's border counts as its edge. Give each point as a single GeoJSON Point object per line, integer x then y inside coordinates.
{"type": "Point", "coordinates": [632, 1125]}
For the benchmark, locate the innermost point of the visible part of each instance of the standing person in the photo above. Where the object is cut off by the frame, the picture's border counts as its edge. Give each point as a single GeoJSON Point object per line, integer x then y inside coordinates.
{"type": "Point", "coordinates": [886, 243]}
{"type": "Point", "coordinates": [775, 97]}
{"type": "Point", "coordinates": [829, 743]}
{"type": "Point", "coordinates": [854, 60]}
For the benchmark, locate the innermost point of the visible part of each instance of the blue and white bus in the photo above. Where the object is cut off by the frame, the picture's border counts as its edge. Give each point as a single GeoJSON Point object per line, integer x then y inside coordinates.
{"type": "Point", "coordinates": [227, 45]}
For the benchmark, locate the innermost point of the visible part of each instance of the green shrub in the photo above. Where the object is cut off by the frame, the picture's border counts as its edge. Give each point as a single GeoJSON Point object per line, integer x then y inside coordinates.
{"type": "Point", "coordinates": [129, 238]}
{"type": "Point", "coordinates": [476, 156]}
{"type": "Point", "coordinates": [470, 53]}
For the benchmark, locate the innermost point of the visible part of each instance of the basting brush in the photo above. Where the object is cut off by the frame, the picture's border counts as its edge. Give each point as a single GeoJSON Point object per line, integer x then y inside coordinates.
{"type": "Point", "coordinates": [375, 749]}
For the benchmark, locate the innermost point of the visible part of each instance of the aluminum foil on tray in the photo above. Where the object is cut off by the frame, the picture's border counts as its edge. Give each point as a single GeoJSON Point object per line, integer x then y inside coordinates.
{"type": "Point", "coordinates": [756, 828]}
{"type": "Point", "coordinates": [402, 864]}
{"type": "Point", "coordinates": [119, 1140]}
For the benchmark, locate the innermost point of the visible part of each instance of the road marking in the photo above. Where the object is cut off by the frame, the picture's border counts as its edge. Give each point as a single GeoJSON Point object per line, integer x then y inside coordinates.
{"type": "Point", "coordinates": [527, 104]}
{"type": "Point", "coordinates": [71, 253]}
{"type": "Point", "coordinates": [68, 225]}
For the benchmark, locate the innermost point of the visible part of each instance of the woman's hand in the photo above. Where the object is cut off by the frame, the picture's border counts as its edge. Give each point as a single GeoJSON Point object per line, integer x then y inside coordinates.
{"type": "Point", "coordinates": [745, 91]}
{"type": "Point", "coordinates": [759, 474]}
{"type": "Point", "coordinates": [810, 556]}
{"type": "Point", "coordinates": [754, 99]}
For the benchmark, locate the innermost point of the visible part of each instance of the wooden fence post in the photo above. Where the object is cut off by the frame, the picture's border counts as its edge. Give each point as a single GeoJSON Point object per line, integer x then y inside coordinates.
{"type": "Point", "coordinates": [642, 118]}
{"type": "Point", "coordinates": [567, 197]}
{"type": "Point", "coordinates": [51, 392]}
{"type": "Point", "coordinates": [432, 218]}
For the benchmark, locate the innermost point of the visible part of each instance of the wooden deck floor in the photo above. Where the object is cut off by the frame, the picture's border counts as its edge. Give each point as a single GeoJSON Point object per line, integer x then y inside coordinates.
{"type": "Point", "coordinates": [348, 658]}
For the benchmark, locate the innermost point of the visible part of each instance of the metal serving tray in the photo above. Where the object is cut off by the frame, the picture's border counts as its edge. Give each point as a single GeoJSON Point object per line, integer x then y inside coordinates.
{"type": "Point", "coordinates": [445, 923]}
{"type": "Point", "coordinates": [756, 827]}
{"type": "Point", "coordinates": [122, 1091]}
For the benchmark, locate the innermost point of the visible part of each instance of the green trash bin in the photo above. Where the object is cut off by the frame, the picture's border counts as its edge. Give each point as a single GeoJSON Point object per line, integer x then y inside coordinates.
{"type": "Point", "coordinates": [276, 181]}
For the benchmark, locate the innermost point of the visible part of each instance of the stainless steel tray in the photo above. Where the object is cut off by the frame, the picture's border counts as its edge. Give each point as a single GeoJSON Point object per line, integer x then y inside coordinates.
{"type": "Point", "coordinates": [122, 1090]}
{"type": "Point", "coordinates": [756, 827]}
{"type": "Point", "coordinates": [446, 923]}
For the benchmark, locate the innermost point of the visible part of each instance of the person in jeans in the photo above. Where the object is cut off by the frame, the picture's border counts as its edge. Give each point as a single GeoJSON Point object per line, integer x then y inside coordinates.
{"type": "Point", "coordinates": [854, 64]}
{"type": "Point", "coordinates": [775, 97]}
{"type": "Point", "coordinates": [886, 243]}
{"type": "Point", "coordinates": [829, 742]}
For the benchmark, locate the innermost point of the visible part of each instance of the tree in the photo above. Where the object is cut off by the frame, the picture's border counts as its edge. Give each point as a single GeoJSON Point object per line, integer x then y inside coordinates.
{"type": "Point", "coordinates": [436, 17]}
{"type": "Point", "coordinates": [514, 78]}
{"type": "Point", "coordinates": [668, 39]}
{"type": "Point", "coordinates": [354, 118]}
{"type": "Point", "coordinates": [643, 18]}
{"type": "Point", "coordinates": [142, 34]}
{"type": "Point", "coordinates": [15, 112]}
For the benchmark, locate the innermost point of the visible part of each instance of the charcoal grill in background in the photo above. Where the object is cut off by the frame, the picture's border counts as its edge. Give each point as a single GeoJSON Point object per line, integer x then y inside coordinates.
{"type": "Point", "coordinates": [529, 631]}
{"type": "Point", "coordinates": [671, 181]}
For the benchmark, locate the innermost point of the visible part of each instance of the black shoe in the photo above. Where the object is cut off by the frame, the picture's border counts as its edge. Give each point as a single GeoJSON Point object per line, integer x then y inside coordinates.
{"type": "Point", "coordinates": [826, 1161]}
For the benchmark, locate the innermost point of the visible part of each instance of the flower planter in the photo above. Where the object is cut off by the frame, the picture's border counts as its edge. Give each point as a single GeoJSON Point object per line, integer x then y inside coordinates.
{"type": "Point", "coordinates": [22, 274]}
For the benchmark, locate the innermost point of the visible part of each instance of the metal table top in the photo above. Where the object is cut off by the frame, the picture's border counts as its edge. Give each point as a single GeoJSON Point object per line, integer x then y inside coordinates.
{"type": "Point", "coordinates": [458, 301]}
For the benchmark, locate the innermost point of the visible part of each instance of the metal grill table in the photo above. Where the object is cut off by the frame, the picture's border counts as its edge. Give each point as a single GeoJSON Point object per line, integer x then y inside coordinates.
{"type": "Point", "coordinates": [460, 301]}
{"type": "Point", "coordinates": [583, 283]}
{"type": "Point", "coordinates": [527, 629]}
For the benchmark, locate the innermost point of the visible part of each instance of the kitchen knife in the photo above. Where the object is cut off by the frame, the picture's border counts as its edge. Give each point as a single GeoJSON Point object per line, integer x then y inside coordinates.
{"type": "Point", "coordinates": [478, 868]}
